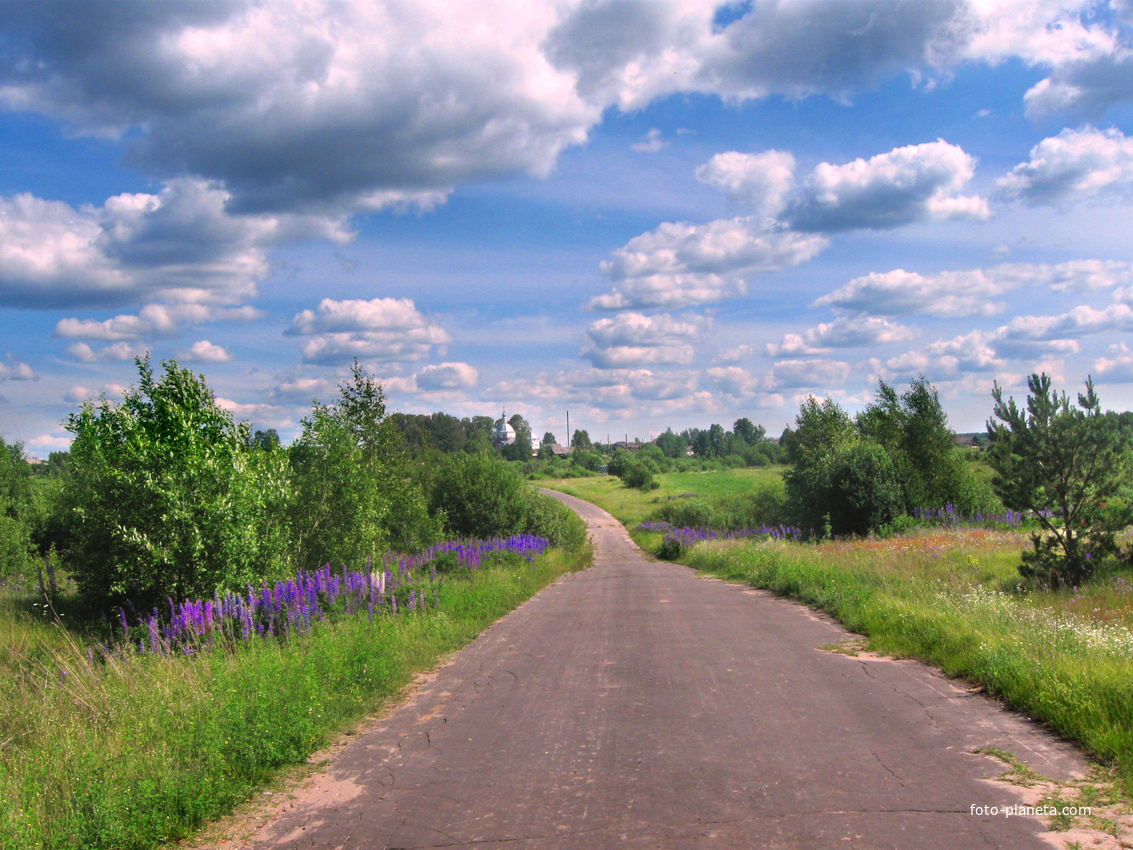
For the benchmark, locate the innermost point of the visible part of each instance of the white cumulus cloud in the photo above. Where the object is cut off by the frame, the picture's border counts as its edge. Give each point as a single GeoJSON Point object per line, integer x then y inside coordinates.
{"type": "Point", "coordinates": [181, 245]}
{"type": "Point", "coordinates": [971, 292]}
{"type": "Point", "coordinates": [634, 339]}
{"type": "Point", "coordinates": [758, 181]}
{"type": "Point", "coordinates": [843, 332]}
{"type": "Point", "coordinates": [204, 351]}
{"type": "Point", "coordinates": [904, 186]}
{"type": "Point", "coordinates": [447, 376]}
{"type": "Point", "coordinates": [117, 352]}
{"type": "Point", "coordinates": [384, 329]}
{"type": "Point", "coordinates": [17, 370]}
{"type": "Point", "coordinates": [1075, 165]}
{"type": "Point", "coordinates": [681, 264]}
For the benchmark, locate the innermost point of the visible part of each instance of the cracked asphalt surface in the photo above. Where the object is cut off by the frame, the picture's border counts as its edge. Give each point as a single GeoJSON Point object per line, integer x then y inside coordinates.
{"type": "Point", "coordinates": [637, 704]}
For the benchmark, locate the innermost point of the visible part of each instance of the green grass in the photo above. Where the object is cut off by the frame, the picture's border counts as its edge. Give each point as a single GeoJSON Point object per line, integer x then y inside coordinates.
{"type": "Point", "coordinates": [140, 750]}
{"type": "Point", "coordinates": [631, 506]}
{"type": "Point", "coordinates": [948, 598]}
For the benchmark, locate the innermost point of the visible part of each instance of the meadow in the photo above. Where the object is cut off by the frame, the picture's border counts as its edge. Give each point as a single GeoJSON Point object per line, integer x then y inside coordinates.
{"type": "Point", "coordinates": [106, 742]}
{"type": "Point", "coordinates": [950, 596]}
{"type": "Point", "coordinates": [632, 506]}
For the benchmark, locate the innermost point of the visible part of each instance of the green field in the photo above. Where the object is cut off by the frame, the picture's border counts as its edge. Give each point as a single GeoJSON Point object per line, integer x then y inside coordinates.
{"type": "Point", "coordinates": [632, 506]}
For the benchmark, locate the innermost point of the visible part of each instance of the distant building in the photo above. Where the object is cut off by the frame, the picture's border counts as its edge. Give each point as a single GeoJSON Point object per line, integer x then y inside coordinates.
{"type": "Point", "coordinates": [967, 441]}
{"type": "Point", "coordinates": [631, 447]}
{"type": "Point", "coordinates": [558, 450]}
{"type": "Point", "coordinates": [504, 435]}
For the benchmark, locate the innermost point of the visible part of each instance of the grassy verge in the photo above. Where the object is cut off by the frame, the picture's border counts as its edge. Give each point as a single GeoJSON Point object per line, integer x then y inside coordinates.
{"type": "Point", "coordinates": [140, 750]}
{"type": "Point", "coordinates": [946, 598]}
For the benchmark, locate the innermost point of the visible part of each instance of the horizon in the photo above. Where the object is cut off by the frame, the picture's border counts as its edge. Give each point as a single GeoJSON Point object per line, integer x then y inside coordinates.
{"type": "Point", "coordinates": [650, 214]}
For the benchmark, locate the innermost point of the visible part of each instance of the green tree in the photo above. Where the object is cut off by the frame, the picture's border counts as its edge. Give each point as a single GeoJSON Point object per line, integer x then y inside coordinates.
{"type": "Point", "coordinates": [353, 495]}
{"type": "Point", "coordinates": [16, 509]}
{"type": "Point", "coordinates": [1064, 465]}
{"type": "Point", "coordinates": [478, 433]}
{"type": "Point", "coordinates": [748, 432]}
{"type": "Point", "coordinates": [580, 439]}
{"type": "Point", "coordinates": [548, 437]}
{"type": "Point", "coordinates": [638, 475]}
{"type": "Point", "coordinates": [822, 433]}
{"type": "Point", "coordinates": [267, 440]}
{"type": "Point", "coordinates": [865, 490]}
{"type": "Point", "coordinates": [445, 432]}
{"type": "Point", "coordinates": [619, 462]}
{"type": "Point", "coordinates": [587, 459]}
{"type": "Point", "coordinates": [520, 450]}
{"type": "Point", "coordinates": [167, 498]}
{"type": "Point", "coordinates": [652, 457]}
{"type": "Point", "coordinates": [673, 445]}
{"type": "Point", "coordinates": [913, 429]}
{"type": "Point", "coordinates": [522, 427]}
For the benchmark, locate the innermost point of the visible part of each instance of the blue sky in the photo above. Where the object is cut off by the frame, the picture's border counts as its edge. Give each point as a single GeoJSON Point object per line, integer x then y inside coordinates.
{"type": "Point", "coordinates": [650, 213]}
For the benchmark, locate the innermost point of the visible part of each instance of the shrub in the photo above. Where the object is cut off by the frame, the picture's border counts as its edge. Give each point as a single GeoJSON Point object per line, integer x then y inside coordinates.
{"type": "Point", "coordinates": [619, 462]}
{"type": "Point", "coordinates": [865, 490]}
{"type": "Point", "coordinates": [165, 497]}
{"type": "Point", "coordinates": [479, 496]}
{"type": "Point", "coordinates": [686, 513]}
{"type": "Point", "coordinates": [761, 506]}
{"type": "Point", "coordinates": [588, 460]}
{"type": "Point", "coordinates": [755, 508]}
{"type": "Point", "coordinates": [550, 518]}
{"type": "Point", "coordinates": [637, 475]}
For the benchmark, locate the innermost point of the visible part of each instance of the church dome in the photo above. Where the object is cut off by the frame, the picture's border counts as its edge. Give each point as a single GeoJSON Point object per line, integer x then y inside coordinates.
{"type": "Point", "coordinates": [505, 434]}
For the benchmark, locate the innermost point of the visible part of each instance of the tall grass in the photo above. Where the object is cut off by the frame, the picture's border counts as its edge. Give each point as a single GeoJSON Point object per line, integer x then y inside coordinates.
{"type": "Point", "coordinates": [128, 750]}
{"type": "Point", "coordinates": [948, 597]}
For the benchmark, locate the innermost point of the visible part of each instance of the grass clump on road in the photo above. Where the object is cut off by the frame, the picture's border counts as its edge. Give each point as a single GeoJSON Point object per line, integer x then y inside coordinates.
{"type": "Point", "coordinates": [130, 750]}
{"type": "Point", "coordinates": [949, 597]}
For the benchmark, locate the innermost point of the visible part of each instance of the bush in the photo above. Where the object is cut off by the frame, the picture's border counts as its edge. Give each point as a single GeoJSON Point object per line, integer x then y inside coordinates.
{"type": "Point", "coordinates": [686, 513]}
{"type": "Point", "coordinates": [165, 496]}
{"type": "Point", "coordinates": [760, 506]}
{"type": "Point", "coordinates": [550, 518]}
{"type": "Point", "coordinates": [479, 496]}
{"type": "Point", "coordinates": [586, 459]}
{"type": "Point", "coordinates": [619, 462]}
{"type": "Point", "coordinates": [637, 475]}
{"type": "Point", "coordinates": [865, 491]}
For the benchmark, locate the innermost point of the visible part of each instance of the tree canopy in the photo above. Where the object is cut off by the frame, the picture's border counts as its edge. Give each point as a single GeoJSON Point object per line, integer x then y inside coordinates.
{"type": "Point", "coordinates": [1065, 465]}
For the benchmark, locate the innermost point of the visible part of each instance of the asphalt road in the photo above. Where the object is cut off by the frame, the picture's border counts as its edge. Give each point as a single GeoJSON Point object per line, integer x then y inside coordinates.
{"type": "Point", "coordinates": [636, 704]}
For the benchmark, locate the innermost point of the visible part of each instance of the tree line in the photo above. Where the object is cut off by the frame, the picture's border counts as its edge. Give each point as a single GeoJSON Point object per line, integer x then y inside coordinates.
{"type": "Point", "coordinates": [164, 495]}
{"type": "Point", "coordinates": [1065, 466]}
